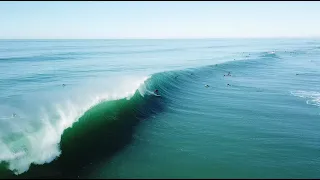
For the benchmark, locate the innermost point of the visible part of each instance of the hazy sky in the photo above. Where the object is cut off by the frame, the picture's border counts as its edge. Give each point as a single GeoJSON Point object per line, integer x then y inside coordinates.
{"type": "Point", "coordinates": [158, 19]}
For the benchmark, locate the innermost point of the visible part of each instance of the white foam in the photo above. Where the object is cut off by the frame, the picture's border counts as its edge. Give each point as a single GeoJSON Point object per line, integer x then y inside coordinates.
{"type": "Point", "coordinates": [312, 97]}
{"type": "Point", "coordinates": [42, 146]}
{"type": "Point", "coordinates": [272, 52]}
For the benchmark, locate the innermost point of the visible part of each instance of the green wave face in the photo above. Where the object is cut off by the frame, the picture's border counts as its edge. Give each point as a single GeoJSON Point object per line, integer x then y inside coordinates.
{"type": "Point", "coordinates": [98, 134]}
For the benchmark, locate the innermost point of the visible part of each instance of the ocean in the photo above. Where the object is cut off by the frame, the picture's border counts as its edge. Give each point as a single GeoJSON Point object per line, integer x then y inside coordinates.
{"type": "Point", "coordinates": [228, 108]}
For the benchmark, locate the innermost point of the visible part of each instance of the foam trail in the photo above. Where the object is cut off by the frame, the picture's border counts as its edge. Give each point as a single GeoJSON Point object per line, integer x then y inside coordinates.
{"type": "Point", "coordinates": [313, 97]}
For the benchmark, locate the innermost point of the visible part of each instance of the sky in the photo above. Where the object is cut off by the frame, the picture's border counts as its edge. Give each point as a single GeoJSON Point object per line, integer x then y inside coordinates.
{"type": "Point", "coordinates": [121, 20]}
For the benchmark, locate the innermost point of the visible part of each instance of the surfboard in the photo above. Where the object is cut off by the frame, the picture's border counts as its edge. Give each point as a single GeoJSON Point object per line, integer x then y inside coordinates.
{"type": "Point", "coordinates": [153, 93]}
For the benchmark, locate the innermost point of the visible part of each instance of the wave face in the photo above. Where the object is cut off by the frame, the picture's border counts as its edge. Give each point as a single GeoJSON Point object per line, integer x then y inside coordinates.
{"type": "Point", "coordinates": [52, 130]}
{"type": "Point", "coordinates": [84, 130]}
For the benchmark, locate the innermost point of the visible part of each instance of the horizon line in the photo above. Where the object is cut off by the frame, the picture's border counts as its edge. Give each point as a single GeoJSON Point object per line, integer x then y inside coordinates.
{"type": "Point", "coordinates": [186, 38]}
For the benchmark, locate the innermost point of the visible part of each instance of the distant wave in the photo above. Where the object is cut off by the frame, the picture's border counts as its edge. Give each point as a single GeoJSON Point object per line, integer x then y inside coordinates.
{"type": "Point", "coordinates": [271, 54]}
{"type": "Point", "coordinates": [77, 54]}
{"type": "Point", "coordinates": [34, 58]}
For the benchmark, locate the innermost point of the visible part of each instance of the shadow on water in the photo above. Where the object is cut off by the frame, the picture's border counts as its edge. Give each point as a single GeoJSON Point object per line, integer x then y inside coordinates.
{"type": "Point", "coordinates": [100, 133]}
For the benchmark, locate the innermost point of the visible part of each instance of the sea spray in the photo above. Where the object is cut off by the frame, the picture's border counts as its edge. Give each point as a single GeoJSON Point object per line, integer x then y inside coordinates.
{"type": "Point", "coordinates": [42, 146]}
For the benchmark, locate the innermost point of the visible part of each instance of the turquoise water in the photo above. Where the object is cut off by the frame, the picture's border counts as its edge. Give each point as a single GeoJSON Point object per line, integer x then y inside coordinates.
{"type": "Point", "coordinates": [261, 121]}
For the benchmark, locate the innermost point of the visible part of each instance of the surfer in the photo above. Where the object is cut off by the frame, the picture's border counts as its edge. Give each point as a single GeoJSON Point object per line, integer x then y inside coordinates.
{"type": "Point", "coordinates": [228, 84]}
{"type": "Point", "coordinates": [156, 92]}
{"type": "Point", "coordinates": [63, 85]}
{"type": "Point", "coordinates": [206, 85]}
{"type": "Point", "coordinates": [14, 114]}
{"type": "Point", "coordinates": [229, 74]}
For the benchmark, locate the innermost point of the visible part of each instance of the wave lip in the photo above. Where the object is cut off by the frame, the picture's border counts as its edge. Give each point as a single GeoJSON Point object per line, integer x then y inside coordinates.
{"type": "Point", "coordinates": [271, 54]}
